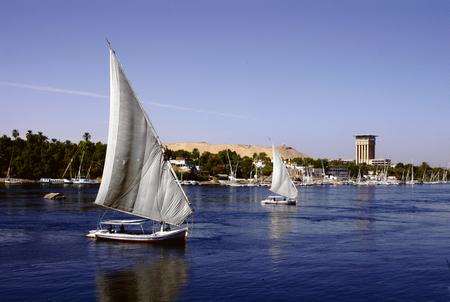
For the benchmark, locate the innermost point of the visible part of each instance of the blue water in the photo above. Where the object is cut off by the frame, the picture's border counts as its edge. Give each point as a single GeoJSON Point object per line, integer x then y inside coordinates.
{"type": "Point", "coordinates": [339, 244]}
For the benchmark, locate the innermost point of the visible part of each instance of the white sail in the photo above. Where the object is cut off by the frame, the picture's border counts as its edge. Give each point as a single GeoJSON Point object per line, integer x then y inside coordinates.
{"type": "Point", "coordinates": [281, 182]}
{"type": "Point", "coordinates": [136, 178]}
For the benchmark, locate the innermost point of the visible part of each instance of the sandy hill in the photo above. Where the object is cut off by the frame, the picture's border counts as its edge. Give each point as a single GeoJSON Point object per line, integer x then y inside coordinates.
{"type": "Point", "coordinates": [242, 150]}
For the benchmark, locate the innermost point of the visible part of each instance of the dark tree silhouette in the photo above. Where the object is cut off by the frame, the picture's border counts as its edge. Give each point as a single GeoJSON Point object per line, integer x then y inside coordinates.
{"type": "Point", "coordinates": [87, 136]}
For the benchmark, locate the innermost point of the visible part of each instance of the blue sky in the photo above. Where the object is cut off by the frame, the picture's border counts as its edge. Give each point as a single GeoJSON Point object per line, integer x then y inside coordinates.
{"type": "Point", "coordinates": [309, 74]}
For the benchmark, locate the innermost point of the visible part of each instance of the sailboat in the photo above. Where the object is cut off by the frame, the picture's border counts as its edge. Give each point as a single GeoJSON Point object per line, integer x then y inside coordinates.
{"type": "Point", "coordinates": [411, 182]}
{"type": "Point", "coordinates": [136, 178]}
{"type": "Point", "coordinates": [63, 179]}
{"type": "Point", "coordinates": [307, 177]}
{"type": "Point", "coordinates": [281, 184]}
{"type": "Point", "coordinates": [8, 179]}
{"type": "Point", "coordinates": [359, 178]}
{"type": "Point", "coordinates": [232, 180]}
{"type": "Point", "coordinates": [79, 180]}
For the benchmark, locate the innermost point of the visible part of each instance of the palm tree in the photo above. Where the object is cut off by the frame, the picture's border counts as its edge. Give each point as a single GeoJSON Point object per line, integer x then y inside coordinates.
{"type": "Point", "coordinates": [86, 136]}
{"type": "Point", "coordinates": [29, 134]}
{"type": "Point", "coordinates": [15, 133]}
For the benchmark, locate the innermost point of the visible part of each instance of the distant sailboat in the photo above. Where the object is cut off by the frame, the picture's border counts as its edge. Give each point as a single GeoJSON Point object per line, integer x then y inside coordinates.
{"type": "Point", "coordinates": [8, 172]}
{"type": "Point", "coordinates": [411, 182]}
{"type": "Point", "coordinates": [79, 180]}
{"type": "Point", "coordinates": [136, 177]}
{"type": "Point", "coordinates": [281, 184]}
{"type": "Point", "coordinates": [59, 180]}
{"type": "Point", "coordinates": [307, 177]}
{"type": "Point", "coordinates": [359, 178]}
{"type": "Point", "coordinates": [232, 181]}
{"type": "Point", "coordinates": [8, 179]}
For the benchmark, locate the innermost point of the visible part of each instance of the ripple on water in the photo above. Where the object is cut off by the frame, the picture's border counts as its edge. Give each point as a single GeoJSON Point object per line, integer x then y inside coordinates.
{"type": "Point", "coordinates": [14, 236]}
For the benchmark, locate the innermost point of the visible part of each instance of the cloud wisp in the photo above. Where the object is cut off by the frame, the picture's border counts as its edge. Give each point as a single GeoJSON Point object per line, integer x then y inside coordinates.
{"type": "Point", "coordinates": [53, 89]}
{"type": "Point", "coordinates": [102, 96]}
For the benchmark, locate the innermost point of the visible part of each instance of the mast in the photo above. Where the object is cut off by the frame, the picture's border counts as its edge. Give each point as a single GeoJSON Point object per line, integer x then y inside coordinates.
{"type": "Point", "coordinates": [70, 162]}
{"type": "Point", "coordinates": [8, 172]}
{"type": "Point", "coordinates": [231, 167]}
{"type": "Point", "coordinates": [79, 168]}
{"type": "Point", "coordinates": [358, 180]}
{"type": "Point", "coordinates": [323, 169]}
{"type": "Point", "coordinates": [89, 170]}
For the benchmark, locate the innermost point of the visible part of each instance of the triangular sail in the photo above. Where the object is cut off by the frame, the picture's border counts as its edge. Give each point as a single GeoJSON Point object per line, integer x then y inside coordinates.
{"type": "Point", "coordinates": [281, 182]}
{"type": "Point", "coordinates": [136, 178]}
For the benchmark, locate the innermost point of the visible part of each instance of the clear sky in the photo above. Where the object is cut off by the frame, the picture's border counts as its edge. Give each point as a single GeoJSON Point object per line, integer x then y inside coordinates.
{"type": "Point", "coordinates": [310, 74]}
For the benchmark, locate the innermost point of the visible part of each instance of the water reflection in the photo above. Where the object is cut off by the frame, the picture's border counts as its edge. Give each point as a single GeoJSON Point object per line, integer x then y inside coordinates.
{"type": "Point", "coordinates": [365, 194]}
{"type": "Point", "coordinates": [364, 208]}
{"type": "Point", "coordinates": [159, 279]}
{"type": "Point", "coordinates": [280, 225]}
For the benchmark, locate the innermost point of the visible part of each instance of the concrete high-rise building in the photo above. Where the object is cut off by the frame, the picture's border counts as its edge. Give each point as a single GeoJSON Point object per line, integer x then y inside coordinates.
{"type": "Point", "coordinates": [365, 148]}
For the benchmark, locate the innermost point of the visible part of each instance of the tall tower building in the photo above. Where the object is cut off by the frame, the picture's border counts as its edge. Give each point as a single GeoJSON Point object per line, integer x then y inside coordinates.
{"type": "Point", "coordinates": [365, 148]}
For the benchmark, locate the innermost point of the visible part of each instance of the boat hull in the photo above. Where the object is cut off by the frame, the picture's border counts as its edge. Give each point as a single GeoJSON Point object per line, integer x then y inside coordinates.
{"type": "Point", "coordinates": [175, 236]}
{"type": "Point", "coordinates": [287, 202]}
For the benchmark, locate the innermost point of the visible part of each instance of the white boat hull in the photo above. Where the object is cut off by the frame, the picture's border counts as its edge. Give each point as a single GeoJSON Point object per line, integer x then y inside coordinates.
{"type": "Point", "coordinates": [286, 202]}
{"type": "Point", "coordinates": [12, 181]}
{"type": "Point", "coordinates": [157, 237]}
{"type": "Point", "coordinates": [84, 181]}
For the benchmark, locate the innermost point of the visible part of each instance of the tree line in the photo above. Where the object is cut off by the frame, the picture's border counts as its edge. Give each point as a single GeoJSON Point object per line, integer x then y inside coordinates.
{"type": "Point", "coordinates": [37, 156]}
{"type": "Point", "coordinates": [224, 162]}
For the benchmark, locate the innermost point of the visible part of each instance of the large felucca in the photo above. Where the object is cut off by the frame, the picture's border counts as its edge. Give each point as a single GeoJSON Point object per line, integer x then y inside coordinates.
{"type": "Point", "coordinates": [281, 183]}
{"type": "Point", "coordinates": [136, 178]}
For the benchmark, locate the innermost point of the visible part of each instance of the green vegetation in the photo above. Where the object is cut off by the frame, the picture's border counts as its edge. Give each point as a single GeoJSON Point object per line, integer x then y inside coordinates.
{"type": "Point", "coordinates": [213, 164]}
{"type": "Point", "coordinates": [36, 156]}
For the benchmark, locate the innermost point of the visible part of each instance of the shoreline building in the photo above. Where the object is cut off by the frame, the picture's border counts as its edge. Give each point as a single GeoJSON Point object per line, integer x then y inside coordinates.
{"type": "Point", "coordinates": [365, 148]}
{"type": "Point", "coordinates": [381, 162]}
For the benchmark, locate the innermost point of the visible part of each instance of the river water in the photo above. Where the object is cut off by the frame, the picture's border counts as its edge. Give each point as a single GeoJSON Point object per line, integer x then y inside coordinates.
{"type": "Point", "coordinates": [338, 244]}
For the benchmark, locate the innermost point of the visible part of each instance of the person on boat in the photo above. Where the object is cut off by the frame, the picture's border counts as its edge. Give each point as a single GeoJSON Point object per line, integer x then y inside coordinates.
{"type": "Point", "coordinates": [165, 227]}
{"type": "Point", "coordinates": [122, 229]}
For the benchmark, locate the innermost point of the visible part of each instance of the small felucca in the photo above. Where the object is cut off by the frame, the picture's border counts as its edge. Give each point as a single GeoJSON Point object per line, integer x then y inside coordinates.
{"type": "Point", "coordinates": [411, 181]}
{"type": "Point", "coordinates": [136, 178]}
{"type": "Point", "coordinates": [281, 184]}
{"type": "Point", "coordinates": [8, 179]}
